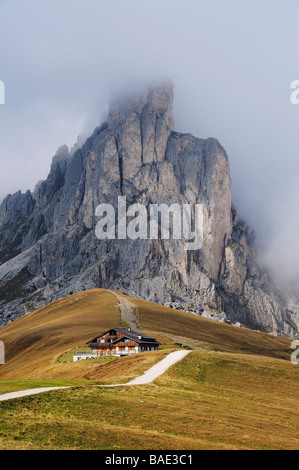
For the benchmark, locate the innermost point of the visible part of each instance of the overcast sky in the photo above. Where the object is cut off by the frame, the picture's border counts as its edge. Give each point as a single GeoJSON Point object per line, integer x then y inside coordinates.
{"type": "Point", "coordinates": [232, 63]}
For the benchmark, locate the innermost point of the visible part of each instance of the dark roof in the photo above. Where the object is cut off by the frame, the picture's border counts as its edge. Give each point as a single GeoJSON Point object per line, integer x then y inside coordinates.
{"type": "Point", "coordinates": [136, 339]}
{"type": "Point", "coordinates": [134, 335]}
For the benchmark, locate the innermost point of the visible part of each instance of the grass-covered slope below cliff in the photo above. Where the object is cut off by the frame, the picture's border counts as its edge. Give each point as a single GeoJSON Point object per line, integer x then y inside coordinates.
{"type": "Point", "coordinates": [236, 390]}
{"type": "Point", "coordinates": [35, 343]}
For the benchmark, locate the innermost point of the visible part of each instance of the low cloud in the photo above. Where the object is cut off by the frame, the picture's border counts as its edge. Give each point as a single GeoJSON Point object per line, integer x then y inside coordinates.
{"type": "Point", "coordinates": [232, 64]}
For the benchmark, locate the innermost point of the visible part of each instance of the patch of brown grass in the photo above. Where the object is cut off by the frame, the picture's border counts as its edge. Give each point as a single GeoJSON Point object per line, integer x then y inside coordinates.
{"type": "Point", "coordinates": [127, 368]}
{"type": "Point", "coordinates": [33, 342]}
{"type": "Point", "coordinates": [202, 332]}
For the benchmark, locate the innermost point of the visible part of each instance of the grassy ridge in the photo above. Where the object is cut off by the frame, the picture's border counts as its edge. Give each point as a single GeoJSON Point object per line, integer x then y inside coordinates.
{"type": "Point", "coordinates": [202, 332]}
{"type": "Point", "coordinates": [34, 342]}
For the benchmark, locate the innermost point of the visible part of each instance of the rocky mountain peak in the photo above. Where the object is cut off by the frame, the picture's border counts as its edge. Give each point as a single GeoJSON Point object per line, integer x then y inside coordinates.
{"type": "Point", "coordinates": [48, 245]}
{"type": "Point", "coordinates": [139, 127]}
{"type": "Point", "coordinates": [156, 100]}
{"type": "Point", "coordinates": [61, 156]}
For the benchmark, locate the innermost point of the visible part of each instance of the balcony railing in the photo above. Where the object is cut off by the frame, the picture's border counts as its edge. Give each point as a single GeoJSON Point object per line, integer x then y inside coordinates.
{"type": "Point", "coordinates": [101, 345]}
{"type": "Point", "coordinates": [92, 355]}
{"type": "Point", "coordinates": [111, 345]}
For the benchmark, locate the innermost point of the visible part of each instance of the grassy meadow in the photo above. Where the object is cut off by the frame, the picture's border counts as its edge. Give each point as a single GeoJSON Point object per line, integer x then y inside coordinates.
{"type": "Point", "coordinates": [210, 400]}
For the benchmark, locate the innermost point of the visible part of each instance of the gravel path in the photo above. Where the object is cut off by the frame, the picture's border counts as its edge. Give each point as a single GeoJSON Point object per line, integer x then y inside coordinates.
{"type": "Point", "coordinates": [155, 371]}
{"type": "Point", "coordinates": [26, 393]}
{"type": "Point", "coordinates": [127, 311]}
{"type": "Point", "coordinates": [158, 369]}
{"type": "Point", "coordinates": [149, 376]}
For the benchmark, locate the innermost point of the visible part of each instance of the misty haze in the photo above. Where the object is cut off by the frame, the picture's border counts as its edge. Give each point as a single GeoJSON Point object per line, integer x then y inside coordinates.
{"type": "Point", "coordinates": [149, 227]}
{"type": "Point", "coordinates": [232, 82]}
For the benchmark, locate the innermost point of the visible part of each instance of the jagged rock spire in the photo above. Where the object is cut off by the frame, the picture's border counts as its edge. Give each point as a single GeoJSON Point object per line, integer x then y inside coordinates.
{"type": "Point", "coordinates": [141, 125]}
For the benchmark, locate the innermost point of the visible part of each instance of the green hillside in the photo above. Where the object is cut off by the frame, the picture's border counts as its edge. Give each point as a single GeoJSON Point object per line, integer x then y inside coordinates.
{"type": "Point", "coordinates": [236, 390]}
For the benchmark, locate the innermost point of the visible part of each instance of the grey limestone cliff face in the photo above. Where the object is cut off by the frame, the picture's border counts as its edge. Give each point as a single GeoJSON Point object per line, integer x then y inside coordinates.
{"type": "Point", "coordinates": [48, 246]}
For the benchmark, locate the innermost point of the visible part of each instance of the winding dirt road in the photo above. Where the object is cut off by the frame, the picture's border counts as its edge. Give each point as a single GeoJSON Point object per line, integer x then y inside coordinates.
{"type": "Point", "coordinates": [127, 310]}
{"type": "Point", "coordinates": [26, 393]}
{"type": "Point", "coordinates": [148, 377]}
{"type": "Point", "coordinates": [158, 369]}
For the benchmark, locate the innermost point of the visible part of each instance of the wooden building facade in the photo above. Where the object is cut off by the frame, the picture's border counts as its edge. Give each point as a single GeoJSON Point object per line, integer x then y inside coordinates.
{"type": "Point", "coordinates": [122, 342]}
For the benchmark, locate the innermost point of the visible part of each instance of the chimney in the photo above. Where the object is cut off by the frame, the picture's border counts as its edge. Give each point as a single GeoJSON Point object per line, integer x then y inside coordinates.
{"type": "Point", "coordinates": [129, 328]}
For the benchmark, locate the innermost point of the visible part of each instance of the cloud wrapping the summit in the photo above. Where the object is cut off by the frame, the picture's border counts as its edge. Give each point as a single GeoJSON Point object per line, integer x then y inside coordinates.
{"type": "Point", "coordinates": [232, 64]}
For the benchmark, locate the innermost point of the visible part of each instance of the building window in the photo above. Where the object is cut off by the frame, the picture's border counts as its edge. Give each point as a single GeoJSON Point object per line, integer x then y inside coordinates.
{"type": "Point", "coordinates": [126, 340]}
{"type": "Point", "coordinates": [102, 341]}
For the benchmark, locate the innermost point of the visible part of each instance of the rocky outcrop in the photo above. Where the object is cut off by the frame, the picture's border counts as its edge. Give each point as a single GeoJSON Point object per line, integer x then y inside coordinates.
{"type": "Point", "coordinates": [48, 246]}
